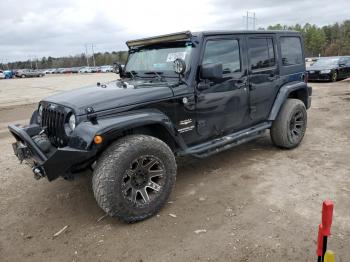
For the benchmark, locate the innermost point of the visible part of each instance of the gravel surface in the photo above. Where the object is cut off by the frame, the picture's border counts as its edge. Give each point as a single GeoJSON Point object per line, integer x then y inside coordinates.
{"type": "Point", "coordinates": [252, 203]}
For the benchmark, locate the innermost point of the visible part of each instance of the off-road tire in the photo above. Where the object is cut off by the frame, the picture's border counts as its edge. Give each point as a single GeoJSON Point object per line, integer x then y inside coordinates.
{"type": "Point", "coordinates": [281, 132]}
{"type": "Point", "coordinates": [111, 169]}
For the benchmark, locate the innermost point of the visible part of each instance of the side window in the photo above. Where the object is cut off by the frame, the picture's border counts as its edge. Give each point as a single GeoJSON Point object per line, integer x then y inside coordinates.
{"type": "Point", "coordinates": [225, 51]}
{"type": "Point", "coordinates": [345, 61]}
{"type": "Point", "coordinates": [291, 50]}
{"type": "Point", "coordinates": [261, 53]}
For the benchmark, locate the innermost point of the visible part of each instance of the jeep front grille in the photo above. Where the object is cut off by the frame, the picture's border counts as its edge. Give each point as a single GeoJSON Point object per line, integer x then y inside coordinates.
{"type": "Point", "coordinates": [54, 121]}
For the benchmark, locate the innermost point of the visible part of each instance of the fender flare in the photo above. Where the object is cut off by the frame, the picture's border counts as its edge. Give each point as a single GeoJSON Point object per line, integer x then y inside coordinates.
{"type": "Point", "coordinates": [283, 94]}
{"type": "Point", "coordinates": [111, 127]}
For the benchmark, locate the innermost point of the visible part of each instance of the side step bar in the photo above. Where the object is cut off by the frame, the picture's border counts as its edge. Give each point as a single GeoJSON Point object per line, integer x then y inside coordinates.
{"type": "Point", "coordinates": [223, 143]}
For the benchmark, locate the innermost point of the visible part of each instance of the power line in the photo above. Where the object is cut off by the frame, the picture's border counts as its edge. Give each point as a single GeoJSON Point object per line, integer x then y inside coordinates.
{"type": "Point", "coordinates": [93, 54]}
{"type": "Point", "coordinates": [88, 46]}
{"type": "Point", "coordinates": [86, 55]}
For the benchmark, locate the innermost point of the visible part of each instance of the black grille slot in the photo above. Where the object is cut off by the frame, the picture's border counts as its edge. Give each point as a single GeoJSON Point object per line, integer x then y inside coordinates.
{"type": "Point", "coordinates": [53, 121]}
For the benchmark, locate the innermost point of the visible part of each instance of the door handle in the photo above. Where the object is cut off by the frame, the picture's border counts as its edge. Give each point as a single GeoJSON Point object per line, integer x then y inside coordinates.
{"type": "Point", "coordinates": [241, 83]}
{"type": "Point", "coordinates": [272, 76]}
{"type": "Point", "coordinates": [251, 87]}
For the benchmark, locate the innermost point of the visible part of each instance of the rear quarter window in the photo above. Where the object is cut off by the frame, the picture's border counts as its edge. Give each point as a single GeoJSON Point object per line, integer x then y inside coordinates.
{"type": "Point", "coordinates": [291, 50]}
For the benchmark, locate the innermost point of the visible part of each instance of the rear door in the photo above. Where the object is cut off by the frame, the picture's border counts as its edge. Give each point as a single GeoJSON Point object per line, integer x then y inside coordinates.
{"type": "Point", "coordinates": [263, 75]}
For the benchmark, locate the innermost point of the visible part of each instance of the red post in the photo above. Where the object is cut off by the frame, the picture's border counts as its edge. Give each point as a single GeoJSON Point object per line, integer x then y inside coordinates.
{"type": "Point", "coordinates": [327, 216]}
{"type": "Point", "coordinates": [319, 250]}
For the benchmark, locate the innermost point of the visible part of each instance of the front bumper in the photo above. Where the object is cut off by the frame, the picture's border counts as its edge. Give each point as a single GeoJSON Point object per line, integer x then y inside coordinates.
{"type": "Point", "coordinates": [319, 77]}
{"type": "Point", "coordinates": [53, 163]}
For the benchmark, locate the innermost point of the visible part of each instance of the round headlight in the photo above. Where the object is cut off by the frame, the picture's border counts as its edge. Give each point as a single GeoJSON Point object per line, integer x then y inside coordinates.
{"type": "Point", "coordinates": [179, 66]}
{"type": "Point", "coordinates": [40, 114]}
{"type": "Point", "coordinates": [71, 122]}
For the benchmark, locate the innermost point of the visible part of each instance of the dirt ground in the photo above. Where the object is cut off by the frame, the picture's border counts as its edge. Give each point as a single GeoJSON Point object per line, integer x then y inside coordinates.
{"type": "Point", "coordinates": [252, 203]}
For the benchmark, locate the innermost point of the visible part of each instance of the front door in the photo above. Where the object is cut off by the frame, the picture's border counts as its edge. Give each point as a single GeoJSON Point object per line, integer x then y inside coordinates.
{"type": "Point", "coordinates": [223, 106]}
{"type": "Point", "coordinates": [263, 75]}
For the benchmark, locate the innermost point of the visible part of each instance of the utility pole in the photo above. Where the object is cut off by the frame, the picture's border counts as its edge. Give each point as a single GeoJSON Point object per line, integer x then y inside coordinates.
{"type": "Point", "coordinates": [7, 63]}
{"type": "Point", "coordinates": [247, 22]}
{"type": "Point", "coordinates": [93, 54]}
{"type": "Point", "coordinates": [250, 18]}
{"type": "Point", "coordinates": [86, 55]}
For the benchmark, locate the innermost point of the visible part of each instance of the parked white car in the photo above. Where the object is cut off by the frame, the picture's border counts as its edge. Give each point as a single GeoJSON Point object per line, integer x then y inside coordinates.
{"type": "Point", "coordinates": [85, 69]}
{"type": "Point", "coordinates": [2, 75]}
{"type": "Point", "coordinates": [106, 68]}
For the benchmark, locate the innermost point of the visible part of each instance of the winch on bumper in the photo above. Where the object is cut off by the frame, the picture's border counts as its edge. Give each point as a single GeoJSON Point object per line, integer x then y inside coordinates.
{"type": "Point", "coordinates": [45, 159]}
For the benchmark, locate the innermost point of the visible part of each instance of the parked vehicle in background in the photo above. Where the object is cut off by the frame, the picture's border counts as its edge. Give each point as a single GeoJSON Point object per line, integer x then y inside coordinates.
{"type": "Point", "coordinates": [22, 73]}
{"type": "Point", "coordinates": [182, 94]}
{"type": "Point", "coordinates": [9, 74]}
{"type": "Point", "coordinates": [331, 68]}
{"type": "Point", "coordinates": [94, 69]}
{"type": "Point", "coordinates": [85, 69]}
{"type": "Point", "coordinates": [75, 70]}
{"type": "Point", "coordinates": [2, 75]}
{"type": "Point", "coordinates": [48, 71]}
{"type": "Point", "coordinates": [67, 70]}
{"type": "Point", "coordinates": [106, 68]}
{"type": "Point", "coordinates": [309, 61]}
{"type": "Point", "coordinates": [57, 71]}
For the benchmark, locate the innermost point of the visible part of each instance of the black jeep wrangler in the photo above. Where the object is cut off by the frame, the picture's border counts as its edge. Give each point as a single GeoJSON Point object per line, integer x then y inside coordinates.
{"type": "Point", "coordinates": [178, 94]}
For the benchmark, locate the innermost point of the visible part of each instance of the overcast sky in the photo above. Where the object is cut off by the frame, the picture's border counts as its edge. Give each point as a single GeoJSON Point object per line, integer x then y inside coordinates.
{"type": "Point", "coordinates": [61, 27]}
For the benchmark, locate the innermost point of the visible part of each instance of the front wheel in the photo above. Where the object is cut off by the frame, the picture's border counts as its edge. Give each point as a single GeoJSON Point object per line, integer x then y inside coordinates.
{"type": "Point", "coordinates": [334, 77]}
{"type": "Point", "coordinates": [288, 129]}
{"type": "Point", "coordinates": [134, 177]}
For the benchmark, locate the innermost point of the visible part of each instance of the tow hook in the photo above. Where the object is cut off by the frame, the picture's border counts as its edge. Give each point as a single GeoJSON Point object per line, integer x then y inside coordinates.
{"type": "Point", "coordinates": [38, 173]}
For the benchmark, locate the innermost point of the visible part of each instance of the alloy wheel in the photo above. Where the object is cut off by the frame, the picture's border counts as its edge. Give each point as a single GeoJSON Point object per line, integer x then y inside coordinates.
{"type": "Point", "coordinates": [297, 125]}
{"type": "Point", "coordinates": [143, 180]}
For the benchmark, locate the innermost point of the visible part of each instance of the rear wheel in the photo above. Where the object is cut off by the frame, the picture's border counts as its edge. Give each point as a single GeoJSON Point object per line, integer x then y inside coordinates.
{"type": "Point", "coordinates": [288, 129]}
{"type": "Point", "coordinates": [134, 177]}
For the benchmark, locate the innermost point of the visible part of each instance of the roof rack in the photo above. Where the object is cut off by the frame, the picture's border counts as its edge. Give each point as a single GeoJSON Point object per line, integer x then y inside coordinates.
{"type": "Point", "coordinates": [159, 39]}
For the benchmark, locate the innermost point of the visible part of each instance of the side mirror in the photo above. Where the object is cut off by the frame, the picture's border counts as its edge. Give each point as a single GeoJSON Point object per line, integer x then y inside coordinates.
{"type": "Point", "coordinates": [211, 71]}
{"type": "Point", "coordinates": [118, 69]}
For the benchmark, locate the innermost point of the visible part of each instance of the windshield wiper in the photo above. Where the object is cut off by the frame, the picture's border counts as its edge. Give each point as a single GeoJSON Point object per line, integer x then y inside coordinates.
{"type": "Point", "coordinates": [132, 73]}
{"type": "Point", "coordinates": [158, 74]}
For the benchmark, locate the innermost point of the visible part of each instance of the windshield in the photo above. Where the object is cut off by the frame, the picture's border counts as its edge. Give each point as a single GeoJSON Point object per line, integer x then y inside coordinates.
{"type": "Point", "coordinates": [158, 58]}
{"type": "Point", "coordinates": [326, 62]}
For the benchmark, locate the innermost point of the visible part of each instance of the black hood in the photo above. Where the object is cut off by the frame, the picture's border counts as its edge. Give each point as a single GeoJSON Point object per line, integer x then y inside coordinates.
{"type": "Point", "coordinates": [112, 95]}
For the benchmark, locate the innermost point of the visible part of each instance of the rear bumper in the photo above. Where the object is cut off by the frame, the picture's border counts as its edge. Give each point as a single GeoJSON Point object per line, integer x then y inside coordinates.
{"type": "Point", "coordinates": [53, 163]}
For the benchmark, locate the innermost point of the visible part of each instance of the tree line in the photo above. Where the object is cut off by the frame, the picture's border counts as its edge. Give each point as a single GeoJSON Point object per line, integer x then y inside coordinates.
{"type": "Point", "coordinates": [329, 40]}
{"type": "Point", "coordinates": [106, 58]}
